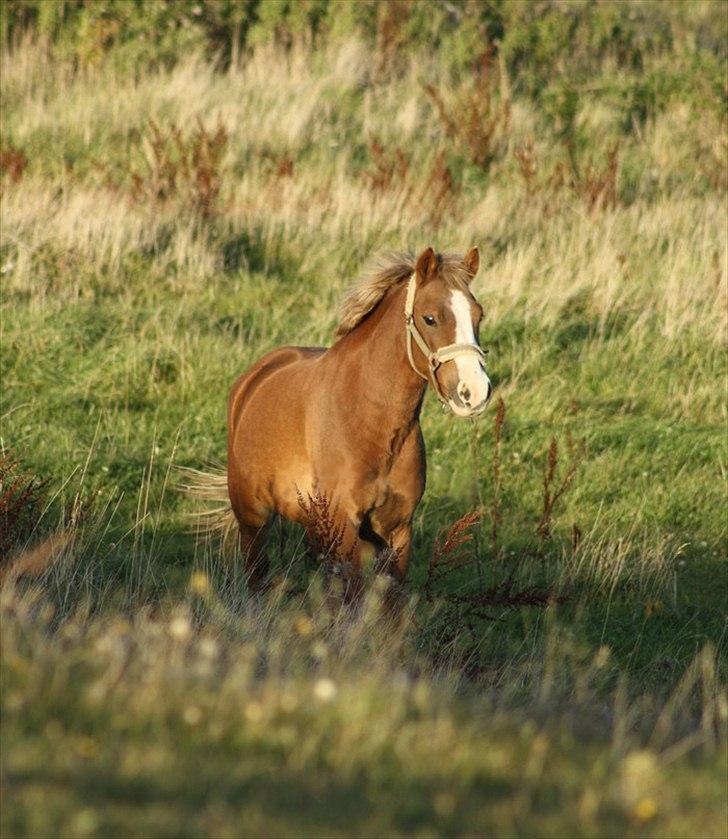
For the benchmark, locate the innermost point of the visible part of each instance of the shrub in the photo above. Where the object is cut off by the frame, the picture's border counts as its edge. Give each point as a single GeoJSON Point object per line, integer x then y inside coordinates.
{"type": "Point", "coordinates": [21, 496]}
{"type": "Point", "coordinates": [185, 168]}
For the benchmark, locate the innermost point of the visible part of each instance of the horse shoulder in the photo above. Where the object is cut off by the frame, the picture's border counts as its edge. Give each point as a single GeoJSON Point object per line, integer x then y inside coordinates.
{"type": "Point", "coordinates": [409, 468]}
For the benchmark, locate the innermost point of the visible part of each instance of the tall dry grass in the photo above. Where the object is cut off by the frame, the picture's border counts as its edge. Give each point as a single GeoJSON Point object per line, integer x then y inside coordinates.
{"type": "Point", "coordinates": [660, 260]}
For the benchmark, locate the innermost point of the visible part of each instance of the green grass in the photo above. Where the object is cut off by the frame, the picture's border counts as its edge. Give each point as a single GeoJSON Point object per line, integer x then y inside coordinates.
{"type": "Point", "coordinates": [138, 703]}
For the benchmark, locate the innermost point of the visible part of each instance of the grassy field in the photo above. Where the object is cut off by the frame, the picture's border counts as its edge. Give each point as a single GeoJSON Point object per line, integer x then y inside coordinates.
{"type": "Point", "coordinates": [165, 224]}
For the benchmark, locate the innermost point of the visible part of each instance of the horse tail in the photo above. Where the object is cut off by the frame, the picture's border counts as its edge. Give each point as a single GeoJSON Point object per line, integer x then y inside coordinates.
{"type": "Point", "coordinates": [211, 488]}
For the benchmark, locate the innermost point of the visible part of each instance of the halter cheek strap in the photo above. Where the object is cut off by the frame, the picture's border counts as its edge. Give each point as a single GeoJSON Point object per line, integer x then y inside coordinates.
{"type": "Point", "coordinates": [434, 357]}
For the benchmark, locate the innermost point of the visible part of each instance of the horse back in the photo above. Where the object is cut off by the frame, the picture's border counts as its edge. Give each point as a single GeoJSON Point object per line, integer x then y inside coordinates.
{"type": "Point", "coordinates": [256, 375]}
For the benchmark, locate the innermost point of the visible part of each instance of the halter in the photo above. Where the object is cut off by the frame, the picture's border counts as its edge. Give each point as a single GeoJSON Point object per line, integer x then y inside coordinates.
{"type": "Point", "coordinates": [434, 357]}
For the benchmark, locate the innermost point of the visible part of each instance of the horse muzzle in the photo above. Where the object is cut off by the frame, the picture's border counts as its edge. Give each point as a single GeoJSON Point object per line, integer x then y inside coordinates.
{"type": "Point", "coordinates": [460, 403]}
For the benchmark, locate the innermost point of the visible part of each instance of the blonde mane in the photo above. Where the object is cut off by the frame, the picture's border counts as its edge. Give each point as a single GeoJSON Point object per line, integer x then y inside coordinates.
{"type": "Point", "coordinates": [389, 271]}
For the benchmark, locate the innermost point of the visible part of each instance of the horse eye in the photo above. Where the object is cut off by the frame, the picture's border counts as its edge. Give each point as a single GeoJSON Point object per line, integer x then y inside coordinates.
{"type": "Point", "coordinates": [429, 320]}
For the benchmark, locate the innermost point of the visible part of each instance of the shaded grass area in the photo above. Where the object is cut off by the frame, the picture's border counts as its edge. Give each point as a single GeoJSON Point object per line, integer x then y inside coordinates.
{"type": "Point", "coordinates": [265, 797]}
{"type": "Point", "coordinates": [211, 718]}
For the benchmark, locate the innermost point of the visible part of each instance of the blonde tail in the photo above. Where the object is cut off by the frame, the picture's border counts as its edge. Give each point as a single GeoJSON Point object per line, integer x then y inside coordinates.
{"type": "Point", "coordinates": [216, 522]}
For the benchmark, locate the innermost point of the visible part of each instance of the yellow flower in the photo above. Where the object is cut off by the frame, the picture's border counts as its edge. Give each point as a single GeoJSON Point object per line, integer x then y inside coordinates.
{"type": "Point", "coordinates": [289, 701]}
{"type": "Point", "coordinates": [179, 627]}
{"type": "Point", "coordinates": [84, 823]}
{"type": "Point", "coordinates": [86, 747]}
{"type": "Point", "coordinates": [645, 809]}
{"type": "Point", "coordinates": [200, 584]}
{"type": "Point", "coordinates": [192, 715]}
{"type": "Point", "coordinates": [324, 690]}
{"type": "Point", "coordinates": [303, 626]}
{"type": "Point", "coordinates": [208, 647]}
{"type": "Point", "coordinates": [653, 607]}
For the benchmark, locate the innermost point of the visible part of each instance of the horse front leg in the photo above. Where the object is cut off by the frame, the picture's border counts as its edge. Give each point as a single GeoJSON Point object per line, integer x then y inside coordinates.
{"type": "Point", "coordinates": [400, 542]}
{"type": "Point", "coordinates": [347, 564]}
{"type": "Point", "coordinates": [393, 559]}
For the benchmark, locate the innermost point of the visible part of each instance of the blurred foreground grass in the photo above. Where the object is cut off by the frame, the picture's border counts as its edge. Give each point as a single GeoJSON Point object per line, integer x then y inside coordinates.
{"type": "Point", "coordinates": [202, 718]}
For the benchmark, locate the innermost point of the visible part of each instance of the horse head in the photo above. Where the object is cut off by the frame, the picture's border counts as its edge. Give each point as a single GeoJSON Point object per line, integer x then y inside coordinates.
{"type": "Point", "coordinates": [443, 318]}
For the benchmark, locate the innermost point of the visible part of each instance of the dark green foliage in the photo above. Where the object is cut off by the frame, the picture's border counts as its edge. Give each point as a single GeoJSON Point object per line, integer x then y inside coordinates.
{"type": "Point", "coordinates": [655, 49]}
{"type": "Point", "coordinates": [133, 33]}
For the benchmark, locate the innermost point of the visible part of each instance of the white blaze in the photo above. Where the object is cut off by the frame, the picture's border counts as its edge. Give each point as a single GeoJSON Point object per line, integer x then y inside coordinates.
{"type": "Point", "coordinates": [470, 372]}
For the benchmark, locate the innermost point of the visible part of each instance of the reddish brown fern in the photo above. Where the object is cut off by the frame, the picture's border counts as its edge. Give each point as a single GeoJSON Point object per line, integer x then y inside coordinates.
{"type": "Point", "coordinates": [324, 534]}
{"type": "Point", "coordinates": [13, 162]}
{"type": "Point", "coordinates": [446, 554]}
{"type": "Point", "coordinates": [389, 169]}
{"type": "Point", "coordinates": [479, 121]}
{"type": "Point", "coordinates": [391, 34]}
{"type": "Point", "coordinates": [447, 557]}
{"type": "Point", "coordinates": [326, 538]}
{"type": "Point", "coordinates": [552, 492]}
{"type": "Point", "coordinates": [598, 186]}
{"type": "Point", "coordinates": [440, 190]}
{"type": "Point", "coordinates": [504, 595]}
{"type": "Point", "coordinates": [20, 498]}
{"type": "Point", "coordinates": [186, 168]}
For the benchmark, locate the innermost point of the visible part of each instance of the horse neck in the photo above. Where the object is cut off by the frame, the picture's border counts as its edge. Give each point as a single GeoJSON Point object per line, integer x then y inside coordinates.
{"type": "Point", "coordinates": [391, 387]}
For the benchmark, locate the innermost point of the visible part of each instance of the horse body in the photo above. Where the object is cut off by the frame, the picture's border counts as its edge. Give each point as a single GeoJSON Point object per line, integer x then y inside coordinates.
{"type": "Point", "coordinates": [343, 423]}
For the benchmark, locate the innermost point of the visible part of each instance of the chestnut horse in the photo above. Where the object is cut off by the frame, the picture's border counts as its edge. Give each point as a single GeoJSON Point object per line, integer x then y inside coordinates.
{"type": "Point", "coordinates": [343, 422]}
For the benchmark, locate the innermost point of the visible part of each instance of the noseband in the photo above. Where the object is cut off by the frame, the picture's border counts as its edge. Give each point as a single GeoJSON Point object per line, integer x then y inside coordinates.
{"type": "Point", "coordinates": [434, 357]}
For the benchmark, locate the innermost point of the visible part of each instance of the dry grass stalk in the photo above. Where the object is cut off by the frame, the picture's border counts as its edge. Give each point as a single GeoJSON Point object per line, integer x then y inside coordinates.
{"type": "Point", "coordinates": [500, 416]}
{"type": "Point", "coordinates": [35, 561]}
{"type": "Point", "coordinates": [211, 521]}
{"type": "Point", "coordinates": [527, 165]}
{"type": "Point", "coordinates": [576, 539]}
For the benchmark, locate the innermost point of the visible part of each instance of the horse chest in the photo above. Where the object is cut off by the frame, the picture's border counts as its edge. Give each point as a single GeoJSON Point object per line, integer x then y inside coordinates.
{"type": "Point", "coordinates": [398, 488]}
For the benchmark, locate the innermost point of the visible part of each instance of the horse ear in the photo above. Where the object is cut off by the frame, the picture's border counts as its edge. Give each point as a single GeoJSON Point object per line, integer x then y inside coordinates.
{"type": "Point", "coordinates": [426, 265]}
{"type": "Point", "coordinates": [472, 262]}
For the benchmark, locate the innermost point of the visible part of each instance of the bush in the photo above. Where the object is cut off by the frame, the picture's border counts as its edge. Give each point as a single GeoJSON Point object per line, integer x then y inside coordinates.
{"type": "Point", "coordinates": [540, 42]}
{"type": "Point", "coordinates": [132, 32]}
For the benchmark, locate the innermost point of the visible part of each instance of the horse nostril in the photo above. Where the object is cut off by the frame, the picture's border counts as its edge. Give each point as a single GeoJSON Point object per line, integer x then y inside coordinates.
{"type": "Point", "coordinates": [464, 393]}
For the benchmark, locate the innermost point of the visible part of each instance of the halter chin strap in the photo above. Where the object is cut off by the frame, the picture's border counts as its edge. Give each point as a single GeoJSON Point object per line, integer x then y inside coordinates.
{"type": "Point", "coordinates": [437, 357]}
